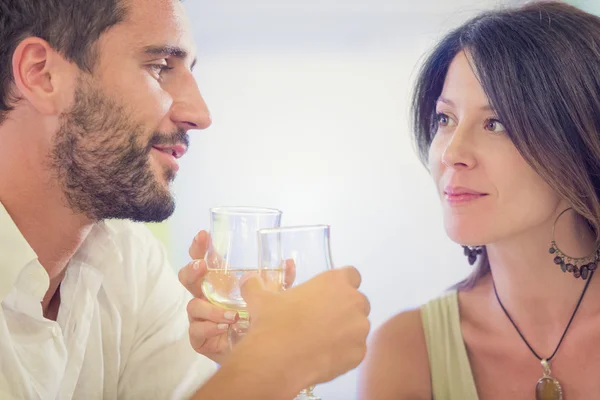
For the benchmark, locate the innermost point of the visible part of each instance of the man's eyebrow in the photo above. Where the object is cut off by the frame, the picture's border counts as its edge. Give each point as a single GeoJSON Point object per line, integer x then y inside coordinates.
{"type": "Point", "coordinates": [172, 51]}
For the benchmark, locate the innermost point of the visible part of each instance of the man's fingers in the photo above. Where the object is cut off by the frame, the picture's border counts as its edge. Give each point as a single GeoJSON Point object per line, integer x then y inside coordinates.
{"type": "Point", "coordinates": [251, 287]}
{"type": "Point", "coordinates": [366, 304]}
{"type": "Point", "coordinates": [199, 309]}
{"type": "Point", "coordinates": [290, 273]}
{"type": "Point", "coordinates": [352, 275]}
{"type": "Point", "coordinates": [199, 245]}
{"type": "Point", "coordinates": [191, 277]}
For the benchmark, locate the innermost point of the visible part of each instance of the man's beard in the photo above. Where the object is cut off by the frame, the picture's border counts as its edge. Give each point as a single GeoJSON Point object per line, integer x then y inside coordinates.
{"type": "Point", "coordinates": [103, 165]}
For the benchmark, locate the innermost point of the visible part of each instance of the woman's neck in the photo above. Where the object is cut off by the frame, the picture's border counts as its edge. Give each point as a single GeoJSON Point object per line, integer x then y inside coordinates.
{"type": "Point", "coordinates": [530, 285]}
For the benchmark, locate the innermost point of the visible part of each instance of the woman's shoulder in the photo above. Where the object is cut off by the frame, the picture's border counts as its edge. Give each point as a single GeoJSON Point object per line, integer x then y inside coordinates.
{"type": "Point", "coordinates": [409, 325]}
{"type": "Point", "coordinates": [397, 364]}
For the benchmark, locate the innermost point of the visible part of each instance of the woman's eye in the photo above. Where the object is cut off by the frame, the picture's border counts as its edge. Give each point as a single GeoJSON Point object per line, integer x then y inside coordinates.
{"type": "Point", "coordinates": [442, 119]}
{"type": "Point", "coordinates": [494, 125]}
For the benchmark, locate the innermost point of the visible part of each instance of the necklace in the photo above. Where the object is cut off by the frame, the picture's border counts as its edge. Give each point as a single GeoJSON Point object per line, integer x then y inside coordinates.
{"type": "Point", "coordinates": [547, 387]}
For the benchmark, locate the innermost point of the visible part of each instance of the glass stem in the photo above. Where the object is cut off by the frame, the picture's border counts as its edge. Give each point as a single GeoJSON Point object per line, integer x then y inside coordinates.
{"type": "Point", "coordinates": [307, 394]}
{"type": "Point", "coordinates": [237, 331]}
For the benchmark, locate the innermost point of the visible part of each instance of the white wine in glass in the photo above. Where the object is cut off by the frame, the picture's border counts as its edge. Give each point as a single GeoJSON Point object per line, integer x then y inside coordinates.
{"type": "Point", "coordinates": [304, 251]}
{"type": "Point", "coordinates": [222, 286]}
{"type": "Point", "coordinates": [233, 253]}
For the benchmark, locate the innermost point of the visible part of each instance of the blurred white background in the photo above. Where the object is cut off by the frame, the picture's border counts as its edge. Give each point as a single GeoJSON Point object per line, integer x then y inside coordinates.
{"type": "Point", "coordinates": [310, 104]}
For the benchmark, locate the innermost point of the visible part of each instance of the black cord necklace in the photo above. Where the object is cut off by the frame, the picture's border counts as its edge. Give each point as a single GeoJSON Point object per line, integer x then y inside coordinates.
{"type": "Point", "coordinates": [547, 387]}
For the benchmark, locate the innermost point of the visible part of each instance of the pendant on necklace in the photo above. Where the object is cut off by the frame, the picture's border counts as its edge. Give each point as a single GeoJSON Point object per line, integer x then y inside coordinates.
{"type": "Point", "coordinates": [547, 387]}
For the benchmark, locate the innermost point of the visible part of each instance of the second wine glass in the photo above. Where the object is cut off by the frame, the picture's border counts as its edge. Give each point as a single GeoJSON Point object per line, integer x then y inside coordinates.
{"type": "Point", "coordinates": [300, 253]}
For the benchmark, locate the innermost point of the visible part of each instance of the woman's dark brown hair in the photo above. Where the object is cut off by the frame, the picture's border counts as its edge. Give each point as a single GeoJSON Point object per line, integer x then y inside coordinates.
{"type": "Point", "coordinates": [539, 66]}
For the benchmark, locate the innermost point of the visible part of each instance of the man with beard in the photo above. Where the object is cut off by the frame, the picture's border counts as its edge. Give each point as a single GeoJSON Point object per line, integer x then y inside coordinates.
{"type": "Point", "coordinates": [96, 101]}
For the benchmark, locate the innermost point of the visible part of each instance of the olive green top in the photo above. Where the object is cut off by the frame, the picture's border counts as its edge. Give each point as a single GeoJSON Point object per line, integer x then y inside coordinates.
{"type": "Point", "coordinates": [451, 376]}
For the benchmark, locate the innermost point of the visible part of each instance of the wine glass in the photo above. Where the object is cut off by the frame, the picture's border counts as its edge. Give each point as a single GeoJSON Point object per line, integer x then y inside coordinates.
{"type": "Point", "coordinates": [233, 253]}
{"type": "Point", "coordinates": [298, 253]}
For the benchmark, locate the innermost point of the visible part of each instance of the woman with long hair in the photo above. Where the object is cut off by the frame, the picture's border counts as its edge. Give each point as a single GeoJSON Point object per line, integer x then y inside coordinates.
{"type": "Point", "coordinates": [506, 115]}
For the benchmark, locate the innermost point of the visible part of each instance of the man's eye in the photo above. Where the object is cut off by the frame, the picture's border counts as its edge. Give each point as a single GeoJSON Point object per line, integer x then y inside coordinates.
{"type": "Point", "coordinates": [159, 69]}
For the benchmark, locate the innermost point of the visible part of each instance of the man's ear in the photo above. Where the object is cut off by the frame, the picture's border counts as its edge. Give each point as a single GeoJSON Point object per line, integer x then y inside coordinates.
{"type": "Point", "coordinates": [43, 77]}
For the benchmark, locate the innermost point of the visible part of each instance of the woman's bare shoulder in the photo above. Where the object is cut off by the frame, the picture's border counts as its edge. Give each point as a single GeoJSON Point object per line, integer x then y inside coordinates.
{"type": "Point", "coordinates": [397, 366]}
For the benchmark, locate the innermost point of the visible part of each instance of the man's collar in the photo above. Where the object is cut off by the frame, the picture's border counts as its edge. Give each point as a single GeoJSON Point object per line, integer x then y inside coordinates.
{"type": "Point", "coordinates": [15, 252]}
{"type": "Point", "coordinates": [17, 257]}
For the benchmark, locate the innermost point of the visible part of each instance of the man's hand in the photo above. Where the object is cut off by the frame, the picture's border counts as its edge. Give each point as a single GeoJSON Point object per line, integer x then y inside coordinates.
{"type": "Point", "coordinates": [313, 332]}
{"type": "Point", "coordinates": [208, 323]}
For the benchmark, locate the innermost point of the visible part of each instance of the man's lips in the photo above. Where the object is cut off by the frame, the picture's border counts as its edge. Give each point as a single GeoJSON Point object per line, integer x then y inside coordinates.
{"type": "Point", "coordinates": [177, 150]}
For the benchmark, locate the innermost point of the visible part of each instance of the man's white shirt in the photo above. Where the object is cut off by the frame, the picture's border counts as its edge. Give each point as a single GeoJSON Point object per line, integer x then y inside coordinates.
{"type": "Point", "coordinates": [121, 330]}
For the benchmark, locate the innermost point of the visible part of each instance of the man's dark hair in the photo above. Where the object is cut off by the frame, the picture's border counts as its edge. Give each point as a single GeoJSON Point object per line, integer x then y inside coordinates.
{"type": "Point", "coordinates": [71, 27]}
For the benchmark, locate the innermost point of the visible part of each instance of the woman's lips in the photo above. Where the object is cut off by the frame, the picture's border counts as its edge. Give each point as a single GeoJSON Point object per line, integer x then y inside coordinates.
{"type": "Point", "coordinates": [458, 199]}
{"type": "Point", "coordinates": [460, 195]}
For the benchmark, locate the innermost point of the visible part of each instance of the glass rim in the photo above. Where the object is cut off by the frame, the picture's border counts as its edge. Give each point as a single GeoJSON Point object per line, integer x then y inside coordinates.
{"type": "Point", "coordinates": [296, 228]}
{"type": "Point", "coordinates": [244, 210]}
